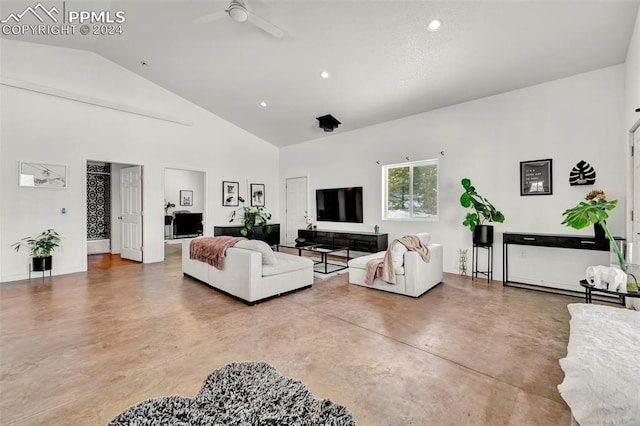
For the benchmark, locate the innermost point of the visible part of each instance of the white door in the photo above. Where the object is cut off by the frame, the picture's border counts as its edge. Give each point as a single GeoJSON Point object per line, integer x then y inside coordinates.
{"type": "Point", "coordinates": [131, 208]}
{"type": "Point", "coordinates": [296, 207]}
{"type": "Point", "coordinates": [636, 185]}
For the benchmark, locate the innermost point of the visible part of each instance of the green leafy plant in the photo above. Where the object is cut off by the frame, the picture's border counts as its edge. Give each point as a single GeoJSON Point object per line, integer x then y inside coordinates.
{"type": "Point", "coordinates": [483, 210]}
{"type": "Point", "coordinates": [594, 210]}
{"type": "Point", "coordinates": [40, 246]}
{"type": "Point", "coordinates": [251, 216]}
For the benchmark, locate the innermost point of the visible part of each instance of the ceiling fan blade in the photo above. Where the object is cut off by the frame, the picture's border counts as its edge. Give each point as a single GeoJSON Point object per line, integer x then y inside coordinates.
{"type": "Point", "coordinates": [265, 25]}
{"type": "Point", "coordinates": [211, 17]}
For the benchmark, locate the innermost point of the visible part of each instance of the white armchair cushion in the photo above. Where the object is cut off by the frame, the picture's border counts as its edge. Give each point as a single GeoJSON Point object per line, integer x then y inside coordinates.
{"type": "Point", "coordinates": [397, 257]}
{"type": "Point", "coordinates": [398, 250]}
{"type": "Point", "coordinates": [268, 256]}
{"type": "Point", "coordinates": [425, 238]}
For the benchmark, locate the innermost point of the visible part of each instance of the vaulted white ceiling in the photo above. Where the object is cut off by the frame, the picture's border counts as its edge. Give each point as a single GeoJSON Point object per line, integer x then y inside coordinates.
{"type": "Point", "coordinates": [383, 62]}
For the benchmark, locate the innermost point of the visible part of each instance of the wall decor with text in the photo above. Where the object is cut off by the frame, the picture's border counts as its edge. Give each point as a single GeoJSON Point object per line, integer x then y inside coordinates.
{"type": "Point", "coordinates": [536, 177]}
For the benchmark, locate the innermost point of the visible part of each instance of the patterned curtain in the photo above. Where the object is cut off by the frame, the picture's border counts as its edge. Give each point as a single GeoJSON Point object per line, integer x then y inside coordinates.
{"type": "Point", "coordinates": [98, 200]}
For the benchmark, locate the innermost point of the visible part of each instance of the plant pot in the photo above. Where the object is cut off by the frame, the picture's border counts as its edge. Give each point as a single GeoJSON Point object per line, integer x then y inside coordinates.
{"type": "Point", "coordinates": [483, 235]}
{"type": "Point", "coordinates": [599, 231]}
{"type": "Point", "coordinates": [41, 263]}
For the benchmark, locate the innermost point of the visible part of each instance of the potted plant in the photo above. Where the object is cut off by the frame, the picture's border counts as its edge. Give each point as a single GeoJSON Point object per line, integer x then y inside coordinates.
{"type": "Point", "coordinates": [167, 206]}
{"type": "Point", "coordinates": [595, 210]}
{"type": "Point", "coordinates": [167, 218]}
{"type": "Point", "coordinates": [41, 248]}
{"type": "Point", "coordinates": [483, 211]}
{"type": "Point", "coordinates": [251, 216]}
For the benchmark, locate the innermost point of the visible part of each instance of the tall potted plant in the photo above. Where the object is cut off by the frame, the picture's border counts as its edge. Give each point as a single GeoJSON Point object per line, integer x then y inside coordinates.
{"type": "Point", "coordinates": [483, 211]}
{"type": "Point", "coordinates": [250, 217]}
{"type": "Point", "coordinates": [595, 210]}
{"type": "Point", "coordinates": [41, 248]}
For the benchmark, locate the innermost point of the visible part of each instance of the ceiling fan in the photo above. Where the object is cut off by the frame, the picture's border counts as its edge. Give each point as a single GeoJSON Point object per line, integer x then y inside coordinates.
{"type": "Point", "coordinates": [239, 12]}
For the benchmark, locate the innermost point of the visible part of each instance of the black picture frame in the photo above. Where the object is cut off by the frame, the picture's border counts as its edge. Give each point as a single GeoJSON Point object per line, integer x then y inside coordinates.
{"type": "Point", "coordinates": [230, 194]}
{"type": "Point", "coordinates": [257, 194]}
{"type": "Point", "coordinates": [536, 177]}
{"type": "Point", "coordinates": [186, 197]}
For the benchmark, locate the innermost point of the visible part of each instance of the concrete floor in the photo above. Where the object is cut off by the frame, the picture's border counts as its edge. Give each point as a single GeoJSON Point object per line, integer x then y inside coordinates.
{"type": "Point", "coordinates": [80, 348]}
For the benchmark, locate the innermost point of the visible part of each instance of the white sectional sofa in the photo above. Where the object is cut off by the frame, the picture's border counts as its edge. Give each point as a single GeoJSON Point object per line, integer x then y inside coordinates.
{"type": "Point", "coordinates": [245, 277]}
{"type": "Point", "coordinates": [413, 276]}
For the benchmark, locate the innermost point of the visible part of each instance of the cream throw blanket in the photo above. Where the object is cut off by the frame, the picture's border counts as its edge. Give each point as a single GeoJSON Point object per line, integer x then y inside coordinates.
{"type": "Point", "coordinates": [212, 249]}
{"type": "Point", "coordinates": [384, 268]}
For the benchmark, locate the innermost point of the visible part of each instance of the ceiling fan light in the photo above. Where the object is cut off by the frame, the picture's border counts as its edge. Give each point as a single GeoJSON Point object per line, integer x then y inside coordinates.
{"type": "Point", "coordinates": [238, 13]}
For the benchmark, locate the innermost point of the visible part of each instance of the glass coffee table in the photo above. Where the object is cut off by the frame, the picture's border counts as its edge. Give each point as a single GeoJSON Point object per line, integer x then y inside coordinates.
{"type": "Point", "coordinates": [321, 265]}
{"type": "Point", "coordinates": [589, 289]}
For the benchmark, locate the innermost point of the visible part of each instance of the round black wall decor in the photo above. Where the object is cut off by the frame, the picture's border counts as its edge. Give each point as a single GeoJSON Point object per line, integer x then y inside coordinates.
{"type": "Point", "coordinates": [582, 174]}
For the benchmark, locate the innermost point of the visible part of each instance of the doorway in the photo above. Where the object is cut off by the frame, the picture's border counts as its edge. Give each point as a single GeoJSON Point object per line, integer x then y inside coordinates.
{"type": "Point", "coordinates": [107, 242]}
{"type": "Point", "coordinates": [184, 207]}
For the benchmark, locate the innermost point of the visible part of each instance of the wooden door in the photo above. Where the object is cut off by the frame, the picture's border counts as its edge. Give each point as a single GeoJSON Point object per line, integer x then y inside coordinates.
{"type": "Point", "coordinates": [296, 208]}
{"type": "Point", "coordinates": [131, 204]}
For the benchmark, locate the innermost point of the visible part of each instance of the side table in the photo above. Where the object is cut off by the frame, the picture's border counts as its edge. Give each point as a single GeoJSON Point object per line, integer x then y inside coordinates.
{"type": "Point", "coordinates": [474, 261]}
{"type": "Point", "coordinates": [589, 289]}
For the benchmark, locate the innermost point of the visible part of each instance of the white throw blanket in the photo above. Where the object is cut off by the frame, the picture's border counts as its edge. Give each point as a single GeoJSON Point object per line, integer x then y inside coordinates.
{"type": "Point", "coordinates": [602, 367]}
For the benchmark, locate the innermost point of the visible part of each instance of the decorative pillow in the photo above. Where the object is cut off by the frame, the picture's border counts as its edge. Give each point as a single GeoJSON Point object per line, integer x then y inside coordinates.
{"type": "Point", "coordinates": [397, 256]}
{"type": "Point", "coordinates": [424, 237]}
{"type": "Point", "coordinates": [268, 256]}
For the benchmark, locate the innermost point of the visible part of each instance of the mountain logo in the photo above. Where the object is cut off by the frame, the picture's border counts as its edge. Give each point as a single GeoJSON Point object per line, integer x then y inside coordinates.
{"type": "Point", "coordinates": [38, 11]}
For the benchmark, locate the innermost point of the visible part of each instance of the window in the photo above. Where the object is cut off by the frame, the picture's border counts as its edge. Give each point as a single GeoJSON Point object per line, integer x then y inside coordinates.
{"type": "Point", "coordinates": [410, 191]}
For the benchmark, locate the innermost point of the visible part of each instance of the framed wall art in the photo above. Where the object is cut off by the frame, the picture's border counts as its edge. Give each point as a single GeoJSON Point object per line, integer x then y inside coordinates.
{"type": "Point", "coordinates": [257, 194]}
{"type": "Point", "coordinates": [536, 177]}
{"type": "Point", "coordinates": [186, 197]}
{"type": "Point", "coordinates": [230, 193]}
{"type": "Point", "coordinates": [40, 175]}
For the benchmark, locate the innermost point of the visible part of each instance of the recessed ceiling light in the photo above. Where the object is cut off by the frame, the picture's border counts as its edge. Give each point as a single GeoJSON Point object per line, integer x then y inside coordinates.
{"type": "Point", "coordinates": [324, 74]}
{"type": "Point", "coordinates": [263, 104]}
{"type": "Point", "coordinates": [434, 25]}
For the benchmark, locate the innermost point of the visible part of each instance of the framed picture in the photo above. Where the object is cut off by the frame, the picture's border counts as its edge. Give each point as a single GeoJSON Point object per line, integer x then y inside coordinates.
{"type": "Point", "coordinates": [230, 193]}
{"type": "Point", "coordinates": [39, 175]}
{"type": "Point", "coordinates": [257, 194]}
{"type": "Point", "coordinates": [536, 177]}
{"type": "Point", "coordinates": [186, 197]}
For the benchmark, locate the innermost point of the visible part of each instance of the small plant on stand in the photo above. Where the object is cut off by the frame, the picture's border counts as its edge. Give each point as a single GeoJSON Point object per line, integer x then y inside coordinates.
{"type": "Point", "coordinates": [40, 248]}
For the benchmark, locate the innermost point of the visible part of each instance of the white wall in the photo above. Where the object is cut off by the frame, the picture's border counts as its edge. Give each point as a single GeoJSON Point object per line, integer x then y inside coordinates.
{"type": "Point", "coordinates": [632, 80]}
{"type": "Point", "coordinates": [632, 102]}
{"type": "Point", "coordinates": [178, 180]}
{"type": "Point", "coordinates": [42, 128]}
{"type": "Point", "coordinates": [568, 120]}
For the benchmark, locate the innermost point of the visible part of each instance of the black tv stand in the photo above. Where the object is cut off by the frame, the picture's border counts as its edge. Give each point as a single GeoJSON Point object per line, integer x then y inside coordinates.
{"type": "Point", "coordinates": [357, 241]}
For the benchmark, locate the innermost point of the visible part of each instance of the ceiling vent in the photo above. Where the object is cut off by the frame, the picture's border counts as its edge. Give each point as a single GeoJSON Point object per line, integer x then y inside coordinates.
{"type": "Point", "coordinates": [328, 122]}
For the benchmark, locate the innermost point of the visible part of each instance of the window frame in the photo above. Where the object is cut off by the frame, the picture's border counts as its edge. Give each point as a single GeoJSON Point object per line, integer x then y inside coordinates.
{"type": "Point", "coordinates": [385, 190]}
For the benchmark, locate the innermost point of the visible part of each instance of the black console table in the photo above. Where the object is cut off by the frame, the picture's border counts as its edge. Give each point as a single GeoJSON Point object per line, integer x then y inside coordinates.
{"type": "Point", "coordinates": [259, 232]}
{"type": "Point", "coordinates": [549, 240]}
{"type": "Point", "coordinates": [358, 241]}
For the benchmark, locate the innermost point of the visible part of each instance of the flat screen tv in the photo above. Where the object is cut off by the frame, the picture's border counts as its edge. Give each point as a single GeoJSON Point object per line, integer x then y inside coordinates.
{"type": "Point", "coordinates": [339, 204]}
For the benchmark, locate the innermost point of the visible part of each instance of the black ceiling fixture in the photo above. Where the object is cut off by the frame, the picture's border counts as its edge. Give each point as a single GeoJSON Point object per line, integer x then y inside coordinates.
{"type": "Point", "coordinates": [328, 122]}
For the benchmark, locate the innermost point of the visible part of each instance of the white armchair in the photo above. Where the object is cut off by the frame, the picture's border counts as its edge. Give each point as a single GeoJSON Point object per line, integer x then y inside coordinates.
{"type": "Point", "coordinates": [413, 276]}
